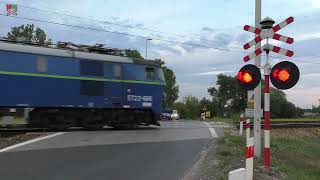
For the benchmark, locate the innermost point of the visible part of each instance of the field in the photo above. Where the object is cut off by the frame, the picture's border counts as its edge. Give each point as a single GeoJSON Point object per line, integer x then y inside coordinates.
{"type": "Point", "coordinates": [293, 120]}
{"type": "Point", "coordinates": [295, 155]}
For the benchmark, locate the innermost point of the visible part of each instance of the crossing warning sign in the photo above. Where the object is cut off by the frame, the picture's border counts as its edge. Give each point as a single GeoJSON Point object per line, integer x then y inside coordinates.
{"type": "Point", "coordinates": [204, 108]}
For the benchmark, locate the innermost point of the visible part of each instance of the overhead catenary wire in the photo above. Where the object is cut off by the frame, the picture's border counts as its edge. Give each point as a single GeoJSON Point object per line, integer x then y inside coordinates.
{"type": "Point", "coordinates": [115, 24]}
{"type": "Point", "coordinates": [144, 37]}
{"type": "Point", "coordinates": [122, 33]}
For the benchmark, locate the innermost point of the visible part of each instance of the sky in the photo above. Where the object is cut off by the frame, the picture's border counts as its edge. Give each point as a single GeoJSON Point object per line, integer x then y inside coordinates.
{"type": "Point", "coordinates": [217, 24]}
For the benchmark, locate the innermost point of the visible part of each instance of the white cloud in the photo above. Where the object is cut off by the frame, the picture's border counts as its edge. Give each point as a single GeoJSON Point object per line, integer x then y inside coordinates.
{"type": "Point", "coordinates": [315, 3]}
{"type": "Point", "coordinates": [307, 36]}
{"type": "Point", "coordinates": [212, 73]}
{"type": "Point", "coordinates": [304, 97]}
{"type": "Point", "coordinates": [312, 75]}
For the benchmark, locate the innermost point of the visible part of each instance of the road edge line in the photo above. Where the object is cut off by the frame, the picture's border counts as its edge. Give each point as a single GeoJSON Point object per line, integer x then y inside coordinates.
{"type": "Point", "coordinates": [30, 141]}
{"type": "Point", "coordinates": [212, 131]}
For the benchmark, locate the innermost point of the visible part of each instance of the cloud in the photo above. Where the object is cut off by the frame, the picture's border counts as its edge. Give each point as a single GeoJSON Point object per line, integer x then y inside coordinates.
{"type": "Point", "coordinates": [212, 73]}
{"type": "Point", "coordinates": [195, 67]}
{"type": "Point", "coordinates": [315, 3]}
{"type": "Point", "coordinates": [312, 75]}
{"type": "Point", "coordinates": [208, 29]}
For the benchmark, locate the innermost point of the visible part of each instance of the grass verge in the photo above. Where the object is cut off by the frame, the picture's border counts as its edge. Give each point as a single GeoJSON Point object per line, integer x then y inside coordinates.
{"type": "Point", "coordinates": [295, 155]}
{"type": "Point", "coordinates": [299, 158]}
{"type": "Point", "coordinates": [293, 120]}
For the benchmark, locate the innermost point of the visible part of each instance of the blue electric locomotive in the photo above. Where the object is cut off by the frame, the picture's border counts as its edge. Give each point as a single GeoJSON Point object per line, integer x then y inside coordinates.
{"type": "Point", "coordinates": [83, 87]}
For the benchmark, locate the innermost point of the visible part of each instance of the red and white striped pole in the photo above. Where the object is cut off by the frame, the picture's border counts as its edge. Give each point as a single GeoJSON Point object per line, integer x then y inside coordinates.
{"type": "Point", "coordinates": [249, 152]}
{"type": "Point", "coordinates": [241, 124]}
{"type": "Point", "coordinates": [267, 112]}
{"type": "Point", "coordinates": [247, 128]}
{"type": "Point", "coordinates": [249, 158]}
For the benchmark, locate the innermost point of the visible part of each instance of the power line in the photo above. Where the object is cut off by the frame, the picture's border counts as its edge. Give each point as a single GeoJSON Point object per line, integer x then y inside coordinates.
{"type": "Point", "coordinates": [112, 23]}
{"type": "Point", "coordinates": [146, 37]}
{"type": "Point", "coordinates": [121, 33]}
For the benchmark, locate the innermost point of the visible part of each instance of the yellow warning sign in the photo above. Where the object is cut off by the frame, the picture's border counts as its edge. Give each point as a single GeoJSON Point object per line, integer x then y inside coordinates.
{"type": "Point", "coordinates": [250, 104]}
{"type": "Point", "coordinates": [204, 109]}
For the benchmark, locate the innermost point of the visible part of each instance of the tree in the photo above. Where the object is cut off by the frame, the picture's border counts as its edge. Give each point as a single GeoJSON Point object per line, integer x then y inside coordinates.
{"type": "Point", "coordinates": [280, 107]}
{"type": "Point", "coordinates": [211, 105]}
{"type": "Point", "coordinates": [192, 106]}
{"type": "Point", "coordinates": [30, 34]}
{"type": "Point", "coordinates": [133, 53]}
{"type": "Point", "coordinates": [229, 96]}
{"type": "Point", "coordinates": [189, 108]}
{"type": "Point", "coordinates": [171, 88]}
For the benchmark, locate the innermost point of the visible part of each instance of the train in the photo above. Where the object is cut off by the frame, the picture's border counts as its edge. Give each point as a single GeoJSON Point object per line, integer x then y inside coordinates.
{"type": "Point", "coordinates": [70, 85]}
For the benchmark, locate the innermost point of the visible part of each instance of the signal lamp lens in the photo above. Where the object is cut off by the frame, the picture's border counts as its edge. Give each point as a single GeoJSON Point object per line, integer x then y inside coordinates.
{"type": "Point", "coordinates": [244, 77]}
{"type": "Point", "coordinates": [247, 77]}
{"type": "Point", "coordinates": [282, 75]}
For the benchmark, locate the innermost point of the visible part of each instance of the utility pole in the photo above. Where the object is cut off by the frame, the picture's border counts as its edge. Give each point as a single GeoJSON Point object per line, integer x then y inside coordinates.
{"type": "Point", "coordinates": [149, 39]}
{"type": "Point", "coordinates": [257, 90]}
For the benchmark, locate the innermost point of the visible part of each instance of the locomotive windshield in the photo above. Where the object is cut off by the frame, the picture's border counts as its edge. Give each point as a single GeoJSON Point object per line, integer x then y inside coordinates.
{"type": "Point", "coordinates": [159, 74]}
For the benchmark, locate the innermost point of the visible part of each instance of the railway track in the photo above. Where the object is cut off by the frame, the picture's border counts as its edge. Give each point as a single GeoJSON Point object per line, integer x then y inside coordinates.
{"type": "Point", "coordinates": [26, 129]}
{"type": "Point", "coordinates": [289, 125]}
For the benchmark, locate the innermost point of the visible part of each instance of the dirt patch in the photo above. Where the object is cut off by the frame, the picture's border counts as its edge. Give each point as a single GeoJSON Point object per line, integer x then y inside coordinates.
{"type": "Point", "coordinates": [296, 132]}
{"type": "Point", "coordinates": [9, 139]}
{"type": "Point", "coordinates": [273, 174]}
{"type": "Point", "coordinates": [222, 157]}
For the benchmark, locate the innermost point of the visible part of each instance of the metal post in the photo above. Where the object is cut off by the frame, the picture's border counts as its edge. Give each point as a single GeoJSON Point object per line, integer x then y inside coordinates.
{"type": "Point", "coordinates": [149, 39]}
{"type": "Point", "coordinates": [267, 111]}
{"type": "Point", "coordinates": [241, 124]}
{"type": "Point", "coordinates": [248, 135]}
{"type": "Point", "coordinates": [257, 90]}
{"type": "Point", "coordinates": [146, 48]}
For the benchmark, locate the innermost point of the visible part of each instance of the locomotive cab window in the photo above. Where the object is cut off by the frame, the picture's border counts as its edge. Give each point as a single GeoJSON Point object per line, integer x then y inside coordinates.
{"type": "Point", "coordinates": [160, 75]}
{"type": "Point", "coordinates": [150, 73]}
{"type": "Point", "coordinates": [42, 64]}
{"type": "Point", "coordinates": [117, 71]}
{"type": "Point", "coordinates": [91, 68]}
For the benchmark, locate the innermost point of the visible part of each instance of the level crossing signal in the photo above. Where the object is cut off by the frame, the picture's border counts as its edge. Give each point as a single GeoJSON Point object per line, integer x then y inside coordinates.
{"type": "Point", "coordinates": [249, 77]}
{"type": "Point", "coordinates": [285, 75]}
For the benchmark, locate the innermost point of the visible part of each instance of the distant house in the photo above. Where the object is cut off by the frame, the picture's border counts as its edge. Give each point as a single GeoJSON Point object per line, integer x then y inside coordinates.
{"type": "Point", "coordinates": [309, 114]}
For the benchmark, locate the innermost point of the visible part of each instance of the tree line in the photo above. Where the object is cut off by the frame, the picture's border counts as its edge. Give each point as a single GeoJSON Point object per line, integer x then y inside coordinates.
{"type": "Point", "coordinates": [228, 98]}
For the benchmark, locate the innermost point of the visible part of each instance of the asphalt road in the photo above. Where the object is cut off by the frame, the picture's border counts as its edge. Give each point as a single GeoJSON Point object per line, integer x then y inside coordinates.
{"type": "Point", "coordinates": [164, 153]}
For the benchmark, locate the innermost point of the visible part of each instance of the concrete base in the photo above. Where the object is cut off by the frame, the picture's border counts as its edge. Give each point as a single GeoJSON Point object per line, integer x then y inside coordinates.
{"type": "Point", "coordinates": [239, 174]}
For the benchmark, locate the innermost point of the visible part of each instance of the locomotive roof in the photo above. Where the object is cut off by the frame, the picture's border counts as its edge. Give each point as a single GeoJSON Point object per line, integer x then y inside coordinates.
{"type": "Point", "coordinates": [63, 52]}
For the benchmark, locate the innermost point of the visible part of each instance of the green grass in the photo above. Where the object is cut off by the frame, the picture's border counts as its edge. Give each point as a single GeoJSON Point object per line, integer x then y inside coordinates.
{"type": "Point", "coordinates": [299, 158]}
{"type": "Point", "coordinates": [316, 119]}
{"type": "Point", "coordinates": [234, 120]}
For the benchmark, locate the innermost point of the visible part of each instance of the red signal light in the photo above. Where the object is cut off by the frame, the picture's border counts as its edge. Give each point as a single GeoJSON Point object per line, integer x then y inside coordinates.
{"type": "Point", "coordinates": [249, 77]}
{"type": "Point", "coordinates": [284, 75]}
{"type": "Point", "coordinates": [281, 74]}
{"type": "Point", "coordinates": [244, 77]}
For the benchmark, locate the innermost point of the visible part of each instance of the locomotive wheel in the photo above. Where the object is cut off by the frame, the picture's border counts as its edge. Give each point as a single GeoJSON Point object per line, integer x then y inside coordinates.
{"type": "Point", "coordinates": [92, 122]}
{"type": "Point", "coordinates": [54, 122]}
{"type": "Point", "coordinates": [125, 126]}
